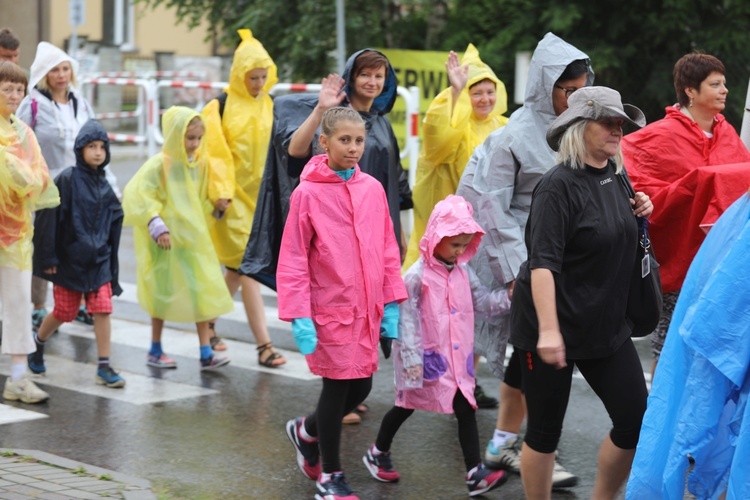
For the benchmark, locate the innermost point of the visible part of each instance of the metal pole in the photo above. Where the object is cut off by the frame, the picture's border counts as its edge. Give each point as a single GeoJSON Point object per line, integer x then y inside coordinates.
{"type": "Point", "coordinates": [340, 36]}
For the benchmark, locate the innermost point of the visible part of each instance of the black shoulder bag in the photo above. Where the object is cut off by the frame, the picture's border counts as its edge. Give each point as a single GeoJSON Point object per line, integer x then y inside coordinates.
{"type": "Point", "coordinates": [645, 296]}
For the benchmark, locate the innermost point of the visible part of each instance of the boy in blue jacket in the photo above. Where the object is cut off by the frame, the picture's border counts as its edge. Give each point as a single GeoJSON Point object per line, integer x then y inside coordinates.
{"type": "Point", "coordinates": [75, 247]}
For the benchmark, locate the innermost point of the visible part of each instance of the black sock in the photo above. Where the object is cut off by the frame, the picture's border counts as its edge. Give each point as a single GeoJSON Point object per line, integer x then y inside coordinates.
{"type": "Point", "coordinates": [103, 363]}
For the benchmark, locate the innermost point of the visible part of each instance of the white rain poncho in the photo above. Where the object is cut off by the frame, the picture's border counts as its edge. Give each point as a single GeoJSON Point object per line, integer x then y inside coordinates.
{"type": "Point", "coordinates": [500, 177]}
{"type": "Point", "coordinates": [185, 283]}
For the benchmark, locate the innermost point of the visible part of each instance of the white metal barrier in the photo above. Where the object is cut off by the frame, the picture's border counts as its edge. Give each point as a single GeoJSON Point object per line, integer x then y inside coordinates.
{"type": "Point", "coordinates": [146, 90]}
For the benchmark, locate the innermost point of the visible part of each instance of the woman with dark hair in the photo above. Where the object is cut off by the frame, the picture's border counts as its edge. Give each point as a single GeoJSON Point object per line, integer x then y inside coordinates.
{"type": "Point", "coordinates": [673, 161]}
{"type": "Point", "coordinates": [569, 298]}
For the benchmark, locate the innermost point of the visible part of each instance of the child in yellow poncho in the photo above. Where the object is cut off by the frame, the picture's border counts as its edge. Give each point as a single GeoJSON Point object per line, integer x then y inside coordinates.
{"type": "Point", "coordinates": [238, 128]}
{"type": "Point", "coordinates": [25, 186]}
{"type": "Point", "coordinates": [458, 120]}
{"type": "Point", "coordinates": [179, 275]}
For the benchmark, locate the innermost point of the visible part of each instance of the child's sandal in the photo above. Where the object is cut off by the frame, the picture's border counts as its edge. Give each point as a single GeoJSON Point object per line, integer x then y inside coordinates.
{"type": "Point", "coordinates": [216, 343]}
{"type": "Point", "coordinates": [273, 359]}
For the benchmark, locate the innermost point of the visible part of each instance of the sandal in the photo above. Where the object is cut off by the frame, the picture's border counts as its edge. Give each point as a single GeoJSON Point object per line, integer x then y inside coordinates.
{"type": "Point", "coordinates": [351, 418]}
{"type": "Point", "coordinates": [273, 359]}
{"type": "Point", "coordinates": [216, 343]}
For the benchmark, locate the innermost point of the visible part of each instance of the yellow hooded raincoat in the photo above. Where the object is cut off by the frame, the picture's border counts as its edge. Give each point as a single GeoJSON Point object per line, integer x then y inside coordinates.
{"type": "Point", "coordinates": [448, 142]}
{"type": "Point", "coordinates": [25, 186]}
{"type": "Point", "coordinates": [184, 283]}
{"type": "Point", "coordinates": [237, 144]}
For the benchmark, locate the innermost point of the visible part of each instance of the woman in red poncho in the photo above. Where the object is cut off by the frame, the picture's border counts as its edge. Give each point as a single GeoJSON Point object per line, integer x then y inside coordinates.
{"type": "Point", "coordinates": [674, 160]}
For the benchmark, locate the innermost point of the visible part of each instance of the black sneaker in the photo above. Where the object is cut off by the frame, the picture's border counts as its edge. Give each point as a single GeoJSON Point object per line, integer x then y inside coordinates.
{"type": "Point", "coordinates": [483, 480]}
{"type": "Point", "coordinates": [84, 317]}
{"type": "Point", "coordinates": [308, 454]}
{"type": "Point", "coordinates": [334, 488]}
{"type": "Point", "coordinates": [380, 466]}
{"type": "Point", "coordinates": [483, 400]}
{"type": "Point", "coordinates": [36, 359]}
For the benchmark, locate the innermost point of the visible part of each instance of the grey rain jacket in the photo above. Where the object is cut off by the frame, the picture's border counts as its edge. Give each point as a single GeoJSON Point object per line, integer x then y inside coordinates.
{"type": "Point", "coordinates": [498, 182]}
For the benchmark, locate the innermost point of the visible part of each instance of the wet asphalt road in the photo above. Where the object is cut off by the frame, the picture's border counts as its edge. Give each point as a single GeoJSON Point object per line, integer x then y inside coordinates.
{"type": "Point", "coordinates": [232, 444]}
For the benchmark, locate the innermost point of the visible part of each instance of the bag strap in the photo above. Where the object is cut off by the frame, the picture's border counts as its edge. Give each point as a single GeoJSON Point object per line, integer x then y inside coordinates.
{"type": "Point", "coordinates": [34, 111]}
{"type": "Point", "coordinates": [643, 238]}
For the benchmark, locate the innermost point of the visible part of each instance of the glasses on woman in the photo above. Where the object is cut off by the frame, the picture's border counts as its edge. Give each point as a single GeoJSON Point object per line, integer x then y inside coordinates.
{"type": "Point", "coordinates": [567, 91]}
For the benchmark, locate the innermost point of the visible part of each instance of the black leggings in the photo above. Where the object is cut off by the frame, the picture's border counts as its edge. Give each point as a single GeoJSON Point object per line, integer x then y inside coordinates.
{"type": "Point", "coordinates": [617, 380]}
{"type": "Point", "coordinates": [468, 435]}
{"type": "Point", "coordinates": [337, 398]}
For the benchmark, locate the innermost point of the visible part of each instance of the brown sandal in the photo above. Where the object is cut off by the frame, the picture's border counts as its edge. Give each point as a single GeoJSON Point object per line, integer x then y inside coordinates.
{"type": "Point", "coordinates": [272, 360]}
{"type": "Point", "coordinates": [216, 343]}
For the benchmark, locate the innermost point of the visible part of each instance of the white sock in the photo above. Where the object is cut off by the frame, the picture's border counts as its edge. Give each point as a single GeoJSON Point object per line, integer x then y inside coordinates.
{"type": "Point", "coordinates": [376, 451]}
{"type": "Point", "coordinates": [17, 371]}
{"type": "Point", "coordinates": [499, 438]}
{"type": "Point", "coordinates": [304, 435]}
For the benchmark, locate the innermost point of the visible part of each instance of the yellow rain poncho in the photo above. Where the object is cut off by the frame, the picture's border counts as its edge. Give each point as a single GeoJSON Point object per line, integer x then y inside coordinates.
{"type": "Point", "coordinates": [237, 144]}
{"type": "Point", "coordinates": [25, 186]}
{"type": "Point", "coordinates": [447, 143]}
{"type": "Point", "coordinates": [184, 283]}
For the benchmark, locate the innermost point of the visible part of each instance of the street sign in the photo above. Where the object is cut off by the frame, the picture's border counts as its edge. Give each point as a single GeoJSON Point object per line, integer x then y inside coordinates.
{"type": "Point", "coordinates": [77, 12]}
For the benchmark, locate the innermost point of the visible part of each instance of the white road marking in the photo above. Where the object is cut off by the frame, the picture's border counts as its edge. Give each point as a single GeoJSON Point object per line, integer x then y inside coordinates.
{"type": "Point", "coordinates": [11, 414]}
{"type": "Point", "coordinates": [80, 377]}
{"type": "Point", "coordinates": [185, 343]}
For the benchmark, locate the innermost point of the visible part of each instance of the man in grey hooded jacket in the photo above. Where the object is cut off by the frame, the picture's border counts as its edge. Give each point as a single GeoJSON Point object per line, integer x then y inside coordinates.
{"type": "Point", "coordinates": [498, 182]}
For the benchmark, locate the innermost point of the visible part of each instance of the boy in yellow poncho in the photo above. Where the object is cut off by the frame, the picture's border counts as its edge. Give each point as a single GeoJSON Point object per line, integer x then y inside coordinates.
{"type": "Point", "coordinates": [238, 128]}
{"type": "Point", "coordinates": [179, 275]}
{"type": "Point", "coordinates": [458, 120]}
{"type": "Point", "coordinates": [25, 186]}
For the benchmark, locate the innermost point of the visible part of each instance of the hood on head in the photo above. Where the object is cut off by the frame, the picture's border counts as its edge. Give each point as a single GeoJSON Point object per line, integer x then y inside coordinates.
{"type": "Point", "coordinates": [47, 57]}
{"type": "Point", "coordinates": [384, 102]}
{"type": "Point", "coordinates": [250, 54]}
{"type": "Point", "coordinates": [91, 131]}
{"type": "Point", "coordinates": [174, 125]}
{"type": "Point", "coordinates": [551, 56]}
{"type": "Point", "coordinates": [451, 217]}
{"type": "Point", "coordinates": [478, 71]}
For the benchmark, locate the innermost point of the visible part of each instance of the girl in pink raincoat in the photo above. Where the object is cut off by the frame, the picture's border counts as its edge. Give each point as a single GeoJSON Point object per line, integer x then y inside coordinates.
{"type": "Point", "coordinates": [339, 282]}
{"type": "Point", "coordinates": [434, 360]}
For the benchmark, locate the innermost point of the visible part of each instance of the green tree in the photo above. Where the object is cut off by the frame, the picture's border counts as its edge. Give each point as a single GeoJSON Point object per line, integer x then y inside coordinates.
{"type": "Point", "coordinates": [633, 45]}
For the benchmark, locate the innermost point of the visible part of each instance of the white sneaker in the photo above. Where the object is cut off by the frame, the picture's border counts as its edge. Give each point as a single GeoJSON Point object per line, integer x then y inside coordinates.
{"type": "Point", "coordinates": [508, 457]}
{"type": "Point", "coordinates": [561, 478]}
{"type": "Point", "coordinates": [25, 390]}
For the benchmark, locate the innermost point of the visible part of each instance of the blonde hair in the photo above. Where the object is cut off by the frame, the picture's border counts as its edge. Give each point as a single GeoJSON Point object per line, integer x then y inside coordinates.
{"type": "Point", "coordinates": [333, 116]}
{"type": "Point", "coordinates": [572, 149]}
{"type": "Point", "coordinates": [42, 84]}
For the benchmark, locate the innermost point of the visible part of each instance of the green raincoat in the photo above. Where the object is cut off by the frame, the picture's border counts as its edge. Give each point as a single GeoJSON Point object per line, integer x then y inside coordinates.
{"type": "Point", "coordinates": [184, 283]}
{"type": "Point", "coordinates": [448, 141]}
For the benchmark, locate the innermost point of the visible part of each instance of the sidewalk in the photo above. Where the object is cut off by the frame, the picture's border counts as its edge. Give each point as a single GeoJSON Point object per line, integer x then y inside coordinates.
{"type": "Point", "coordinates": [34, 474]}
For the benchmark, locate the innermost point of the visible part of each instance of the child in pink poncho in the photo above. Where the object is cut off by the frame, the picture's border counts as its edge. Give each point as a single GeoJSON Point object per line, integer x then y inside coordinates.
{"type": "Point", "coordinates": [434, 360]}
{"type": "Point", "coordinates": [339, 282]}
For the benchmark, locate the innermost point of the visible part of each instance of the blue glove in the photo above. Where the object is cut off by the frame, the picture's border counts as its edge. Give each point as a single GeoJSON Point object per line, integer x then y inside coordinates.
{"type": "Point", "coordinates": [389, 323]}
{"type": "Point", "coordinates": [305, 335]}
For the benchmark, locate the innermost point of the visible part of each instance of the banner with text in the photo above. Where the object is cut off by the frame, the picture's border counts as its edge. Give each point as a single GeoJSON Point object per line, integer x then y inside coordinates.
{"type": "Point", "coordinates": [420, 68]}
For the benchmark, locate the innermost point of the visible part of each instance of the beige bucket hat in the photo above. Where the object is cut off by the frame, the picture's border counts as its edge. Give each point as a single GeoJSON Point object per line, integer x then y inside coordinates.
{"type": "Point", "coordinates": [593, 103]}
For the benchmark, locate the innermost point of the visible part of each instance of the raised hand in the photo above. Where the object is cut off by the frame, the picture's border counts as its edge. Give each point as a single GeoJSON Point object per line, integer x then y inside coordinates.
{"type": "Point", "coordinates": [332, 92]}
{"type": "Point", "coordinates": [458, 75]}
